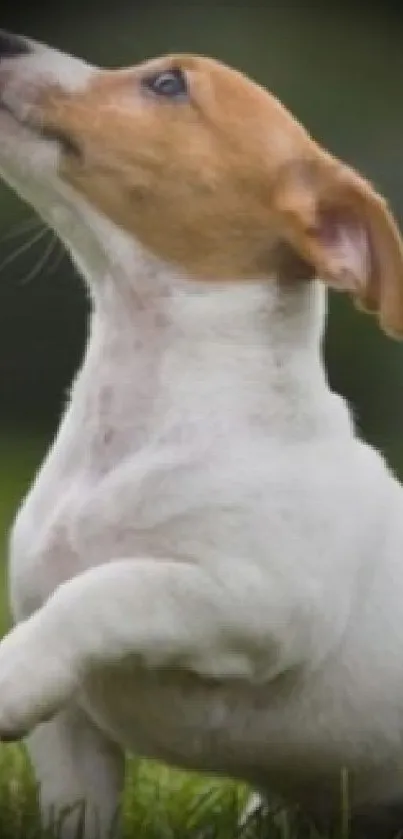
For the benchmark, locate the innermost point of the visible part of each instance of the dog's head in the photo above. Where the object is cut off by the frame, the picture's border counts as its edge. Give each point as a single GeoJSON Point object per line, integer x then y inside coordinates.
{"type": "Point", "coordinates": [202, 166]}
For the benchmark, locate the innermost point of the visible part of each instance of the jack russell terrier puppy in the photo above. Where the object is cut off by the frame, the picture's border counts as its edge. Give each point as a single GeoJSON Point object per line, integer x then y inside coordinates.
{"type": "Point", "coordinates": [208, 569]}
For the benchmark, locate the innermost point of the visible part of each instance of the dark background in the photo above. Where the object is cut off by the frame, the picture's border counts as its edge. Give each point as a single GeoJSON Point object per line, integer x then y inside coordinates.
{"type": "Point", "coordinates": [338, 67]}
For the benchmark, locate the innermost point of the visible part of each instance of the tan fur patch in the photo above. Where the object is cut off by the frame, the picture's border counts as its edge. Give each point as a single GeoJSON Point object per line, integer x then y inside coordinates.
{"type": "Point", "coordinates": [216, 182]}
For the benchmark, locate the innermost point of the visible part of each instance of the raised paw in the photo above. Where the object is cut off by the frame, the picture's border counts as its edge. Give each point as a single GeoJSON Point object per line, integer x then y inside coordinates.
{"type": "Point", "coordinates": [35, 682]}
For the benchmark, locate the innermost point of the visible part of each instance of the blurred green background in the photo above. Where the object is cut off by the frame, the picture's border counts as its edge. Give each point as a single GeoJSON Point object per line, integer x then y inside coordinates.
{"type": "Point", "coordinates": [340, 70]}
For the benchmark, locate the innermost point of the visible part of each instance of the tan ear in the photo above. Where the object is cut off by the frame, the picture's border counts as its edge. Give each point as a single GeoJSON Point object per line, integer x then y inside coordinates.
{"type": "Point", "coordinates": [341, 226]}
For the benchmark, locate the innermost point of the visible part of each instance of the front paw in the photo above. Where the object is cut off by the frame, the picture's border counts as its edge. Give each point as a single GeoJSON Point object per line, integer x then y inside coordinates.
{"type": "Point", "coordinates": [35, 681]}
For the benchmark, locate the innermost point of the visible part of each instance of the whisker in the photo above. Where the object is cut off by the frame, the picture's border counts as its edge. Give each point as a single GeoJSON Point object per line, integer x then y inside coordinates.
{"type": "Point", "coordinates": [19, 229]}
{"type": "Point", "coordinates": [60, 253]}
{"type": "Point", "coordinates": [11, 257]}
{"type": "Point", "coordinates": [41, 263]}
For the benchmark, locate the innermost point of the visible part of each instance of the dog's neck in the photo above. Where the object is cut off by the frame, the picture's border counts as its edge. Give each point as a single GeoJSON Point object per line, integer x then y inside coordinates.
{"type": "Point", "coordinates": [168, 352]}
{"type": "Point", "coordinates": [168, 355]}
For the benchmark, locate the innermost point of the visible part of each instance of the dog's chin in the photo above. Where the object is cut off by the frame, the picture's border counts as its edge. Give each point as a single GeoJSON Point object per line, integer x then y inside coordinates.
{"type": "Point", "coordinates": [66, 144]}
{"type": "Point", "coordinates": [28, 163]}
{"type": "Point", "coordinates": [12, 127]}
{"type": "Point", "coordinates": [28, 149]}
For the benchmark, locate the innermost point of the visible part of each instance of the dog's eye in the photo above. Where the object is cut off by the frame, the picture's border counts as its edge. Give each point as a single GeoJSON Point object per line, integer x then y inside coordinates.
{"type": "Point", "coordinates": [169, 83]}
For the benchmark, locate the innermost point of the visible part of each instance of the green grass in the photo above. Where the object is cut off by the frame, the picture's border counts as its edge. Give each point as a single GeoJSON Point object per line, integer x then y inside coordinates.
{"type": "Point", "coordinates": [159, 803]}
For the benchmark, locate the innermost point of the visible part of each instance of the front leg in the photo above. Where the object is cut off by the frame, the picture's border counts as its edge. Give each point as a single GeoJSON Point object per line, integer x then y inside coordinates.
{"type": "Point", "coordinates": [80, 775]}
{"type": "Point", "coordinates": [153, 612]}
{"type": "Point", "coordinates": [36, 676]}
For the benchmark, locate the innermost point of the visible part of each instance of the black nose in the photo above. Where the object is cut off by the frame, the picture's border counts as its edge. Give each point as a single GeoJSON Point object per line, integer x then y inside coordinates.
{"type": "Point", "coordinates": [12, 45]}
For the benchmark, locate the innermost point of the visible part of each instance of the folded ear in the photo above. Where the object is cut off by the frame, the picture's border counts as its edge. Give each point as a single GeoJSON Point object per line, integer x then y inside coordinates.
{"type": "Point", "coordinates": [341, 226]}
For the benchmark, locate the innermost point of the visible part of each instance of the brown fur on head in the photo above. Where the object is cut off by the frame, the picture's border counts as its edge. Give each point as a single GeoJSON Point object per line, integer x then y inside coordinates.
{"type": "Point", "coordinates": [223, 181]}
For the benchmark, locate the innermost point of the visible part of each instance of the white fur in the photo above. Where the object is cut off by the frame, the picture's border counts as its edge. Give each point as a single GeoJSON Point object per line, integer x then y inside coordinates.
{"type": "Point", "coordinates": [208, 566]}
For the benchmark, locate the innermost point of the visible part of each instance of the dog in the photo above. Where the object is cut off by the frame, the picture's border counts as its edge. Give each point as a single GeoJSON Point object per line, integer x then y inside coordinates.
{"type": "Point", "coordinates": [208, 567]}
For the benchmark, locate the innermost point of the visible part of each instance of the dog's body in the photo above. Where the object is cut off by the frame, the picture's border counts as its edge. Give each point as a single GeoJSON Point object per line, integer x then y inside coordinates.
{"type": "Point", "coordinates": [208, 567]}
